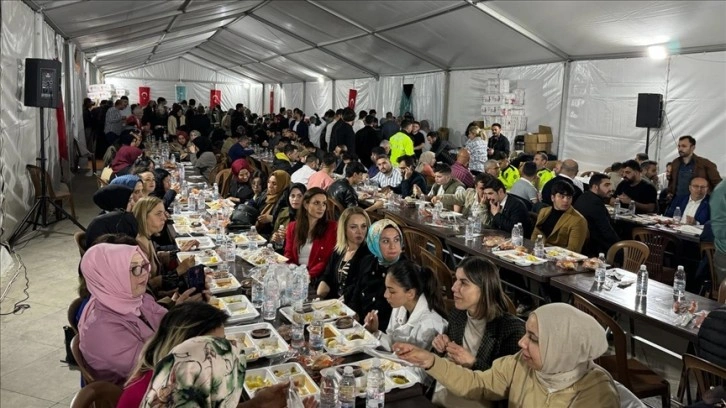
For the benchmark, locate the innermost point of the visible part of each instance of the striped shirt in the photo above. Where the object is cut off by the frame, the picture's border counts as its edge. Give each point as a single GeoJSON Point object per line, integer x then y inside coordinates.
{"type": "Point", "coordinates": [393, 179]}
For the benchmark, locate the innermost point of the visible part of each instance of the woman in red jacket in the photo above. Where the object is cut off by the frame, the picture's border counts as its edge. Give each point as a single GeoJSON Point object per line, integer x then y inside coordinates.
{"type": "Point", "coordinates": [310, 239]}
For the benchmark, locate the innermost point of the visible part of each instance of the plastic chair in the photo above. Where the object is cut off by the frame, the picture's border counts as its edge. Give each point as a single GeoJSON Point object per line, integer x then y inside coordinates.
{"type": "Point", "coordinates": [634, 254]}
{"type": "Point", "coordinates": [58, 198]}
{"type": "Point", "coordinates": [708, 250]}
{"type": "Point", "coordinates": [215, 170]}
{"type": "Point", "coordinates": [418, 242]}
{"type": "Point", "coordinates": [634, 375]}
{"type": "Point", "coordinates": [442, 272]}
{"type": "Point", "coordinates": [658, 242]}
{"type": "Point", "coordinates": [82, 365]}
{"type": "Point", "coordinates": [100, 394]}
{"type": "Point", "coordinates": [80, 237]}
{"type": "Point", "coordinates": [707, 375]}
{"type": "Point", "coordinates": [72, 312]}
{"type": "Point", "coordinates": [223, 180]}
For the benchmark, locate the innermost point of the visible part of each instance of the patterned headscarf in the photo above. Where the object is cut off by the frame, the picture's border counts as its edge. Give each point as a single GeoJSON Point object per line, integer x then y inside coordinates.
{"type": "Point", "coordinates": [203, 371]}
{"type": "Point", "coordinates": [373, 239]}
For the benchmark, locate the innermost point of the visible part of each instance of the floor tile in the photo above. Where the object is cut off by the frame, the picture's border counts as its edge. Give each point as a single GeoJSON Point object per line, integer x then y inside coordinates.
{"type": "Point", "coordinates": [47, 378]}
{"type": "Point", "coordinates": [13, 399]}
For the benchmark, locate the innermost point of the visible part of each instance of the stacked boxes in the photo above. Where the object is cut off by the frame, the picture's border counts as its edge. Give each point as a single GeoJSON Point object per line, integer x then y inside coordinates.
{"type": "Point", "coordinates": [504, 106]}
{"type": "Point", "coordinates": [98, 92]}
{"type": "Point", "coordinates": [540, 141]}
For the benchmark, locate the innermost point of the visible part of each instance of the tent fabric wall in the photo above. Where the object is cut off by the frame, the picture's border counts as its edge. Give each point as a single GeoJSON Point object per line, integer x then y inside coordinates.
{"type": "Point", "coordinates": [318, 97]}
{"type": "Point", "coordinates": [292, 95]}
{"type": "Point", "coordinates": [542, 84]}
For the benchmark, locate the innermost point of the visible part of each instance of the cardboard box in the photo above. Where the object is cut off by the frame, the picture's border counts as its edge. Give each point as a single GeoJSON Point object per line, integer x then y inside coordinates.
{"type": "Point", "coordinates": [531, 138]}
{"type": "Point", "coordinates": [536, 147]}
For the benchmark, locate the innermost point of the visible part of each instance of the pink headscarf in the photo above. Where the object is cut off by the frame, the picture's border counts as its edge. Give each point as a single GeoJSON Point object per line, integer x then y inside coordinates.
{"type": "Point", "coordinates": [106, 270]}
{"type": "Point", "coordinates": [238, 165]}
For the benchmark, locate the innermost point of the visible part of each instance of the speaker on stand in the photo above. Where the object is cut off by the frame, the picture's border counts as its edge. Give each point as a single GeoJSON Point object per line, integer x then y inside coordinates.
{"type": "Point", "coordinates": [42, 90]}
{"type": "Point", "coordinates": [650, 114]}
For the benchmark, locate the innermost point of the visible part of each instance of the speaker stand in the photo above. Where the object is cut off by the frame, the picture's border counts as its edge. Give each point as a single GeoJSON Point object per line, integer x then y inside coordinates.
{"type": "Point", "coordinates": [647, 140]}
{"type": "Point", "coordinates": [37, 216]}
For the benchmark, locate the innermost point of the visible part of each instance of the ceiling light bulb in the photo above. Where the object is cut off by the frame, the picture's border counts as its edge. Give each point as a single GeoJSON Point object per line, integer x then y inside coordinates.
{"type": "Point", "coordinates": [657, 52]}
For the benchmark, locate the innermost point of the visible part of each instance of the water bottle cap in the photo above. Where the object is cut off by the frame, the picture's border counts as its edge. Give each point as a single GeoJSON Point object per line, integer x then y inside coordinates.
{"type": "Point", "coordinates": [348, 370]}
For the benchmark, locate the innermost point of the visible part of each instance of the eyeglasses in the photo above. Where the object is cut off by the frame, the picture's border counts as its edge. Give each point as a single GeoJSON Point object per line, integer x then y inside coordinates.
{"type": "Point", "coordinates": [138, 270]}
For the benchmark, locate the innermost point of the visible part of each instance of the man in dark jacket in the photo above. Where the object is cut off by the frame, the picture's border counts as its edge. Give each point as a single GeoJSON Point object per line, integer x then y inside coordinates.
{"type": "Point", "coordinates": [298, 124]}
{"type": "Point", "coordinates": [343, 190]}
{"type": "Point", "coordinates": [568, 172]}
{"type": "Point", "coordinates": [343, 133]}
{"type": "Point", "coordinates": [689, 165]}
{"type": "Point", "coordinates": [365, 140]}
{"type": "Point", "coordinates": [507, 211]}
{"type": "Point", "coordinates": [410, 178]}
{"type": "Point", "coordinates": [591, 205]}
{"type": "Point", "coordinates": [440, 147]}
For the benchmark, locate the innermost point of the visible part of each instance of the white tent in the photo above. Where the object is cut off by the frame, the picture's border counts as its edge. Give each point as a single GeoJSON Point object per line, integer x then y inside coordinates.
{"type": "Point", "coordinates": [580, 65]}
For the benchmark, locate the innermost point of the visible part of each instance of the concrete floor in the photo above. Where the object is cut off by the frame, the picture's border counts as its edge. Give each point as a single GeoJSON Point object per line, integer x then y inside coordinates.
{"type": "Point", "coordinates": [32, 348]}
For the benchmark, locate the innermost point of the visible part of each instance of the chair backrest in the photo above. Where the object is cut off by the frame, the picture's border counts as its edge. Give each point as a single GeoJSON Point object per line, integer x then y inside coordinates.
{"type": "Point", "coordinates": [80, 237]}
{"type": "Point", "coordinates": [223, 180]}
{"type": "Point", "coordinates": [265, 168]}
{"type": "Point", "coordinates": [707, 374]}
{"type": "Point", "coordinates": [335, 208]}
{"type": "Point", "coordinates": [442, 272]}
{"type": "Point", "coordinates": [635, 254]}
{"type": "Point", "coordinates": [418, 242]}
{"type": "Point", "coordinates": [101, 182]}
{"type": "Point", "coordinates": [35, 176]}
{"type": "Point", "coordinates": [619, 338]}
{"type": "Point", "coordinates": [72, 312]}
{"type": "Point", "coordinates": [511, 307]}
{"type": "Point", "coordinates": [78, 356]}
{"type": "Point", "coordinates": [400, 221]}
{"type": "Point", "coordinates": [722, 292]}
{"type": "Point", "coordinates": [708, 250]}
{"type": "Point", "coordinates": [658, 242]}
{"type": "Point", "coordinates": [100, 394]}
{"type": "Point", "coordinates": [216, 169]}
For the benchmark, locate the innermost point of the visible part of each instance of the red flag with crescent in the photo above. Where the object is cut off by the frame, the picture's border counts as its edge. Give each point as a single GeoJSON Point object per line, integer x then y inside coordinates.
{"type": "Point", "coordinates": [144, 95]}
{"type": "Point", "coordinates": [215, 98]}
{"type": "Point", "coordinates": [352, 96]}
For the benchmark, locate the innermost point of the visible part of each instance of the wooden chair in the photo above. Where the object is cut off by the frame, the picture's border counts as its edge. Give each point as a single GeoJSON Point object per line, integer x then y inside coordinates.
{"type": "Point", "coordinates": [334, 209]}
{"type": "Point", "coordinates": [80, 237]}
{"type": "Point", "coordinates": [78, 356]}
{"type": "Point", "coordinates": [56, 197]}
{"type": "Point", "coordinates": [659, 242]}
{"type": "Point", "coordinates": [708, 250]}
{"type": "Point", "coordinates": [443, 273]}
{"type": "Point", "coordinates": [215, 170]}
{"type": "Point", "coordinates": [722, 292]}
{"type": "Point", "coordinates": [265, 168]}
{"type": "Point", "coordinates": [418, 242]}
{"type": "Point", "coordinates": [635, 254]}
{"type": "Point", "coordinates": [100, 394]}
{"type": "Point", "coordinates": [634, 375]}
{"type": "Point", "coordinates": [72, 312]}
{"type": "Point", "coordinates": [101, 182]}
{"type": "Point", "coordinates": [707, 375]}
{"type": "Point", "coordinates": [223, 180]}
{"type": "Point", "coordinates": [400, 221]}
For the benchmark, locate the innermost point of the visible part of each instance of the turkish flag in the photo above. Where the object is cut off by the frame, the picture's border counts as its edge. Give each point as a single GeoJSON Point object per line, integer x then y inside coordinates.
{"type": "Point", "coordinates": [215, 98]}
{"type": "Point", "coordinates": [144, 95]}
{"type": "Point", "coordinates": [352, 95]}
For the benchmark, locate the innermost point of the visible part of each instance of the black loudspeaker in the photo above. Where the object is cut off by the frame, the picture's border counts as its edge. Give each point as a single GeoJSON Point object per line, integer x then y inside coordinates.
{"type": "Point", "coordinates": [650, 111]}
{"type": "Point", "coordinates": [42, 83]}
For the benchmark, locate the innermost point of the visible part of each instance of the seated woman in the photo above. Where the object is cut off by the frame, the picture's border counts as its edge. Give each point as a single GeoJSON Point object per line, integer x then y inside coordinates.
{"type": "Point", "coordinates": [127, 154]}
{"type": "Point", "coordinates": [148, 178]}
{"type": "Point", "coordinates": [561, 225]}
{"type": "Point", "coordinates": [288, 214]}
{"type": "Point", "coordinates": [116, 201]}
{"type": "Point", "coordinates": [163, 188]}
{"type": "Point", "coordinates": [272, 201]}
{"type": "Point", "coordinates": [385, 242]}
{"type": "Point", "coordinates": [202, 156]}
{"type": "Point", "coordinates": [240, 190]}
{"type": "Point", "coordinates": [258, 181]}
{"type": "Point", "coordinates": [119, 316]}
{"type": "Point", "coordinates": [480, 328]}
{"type": "Point", "coordinates": [311, 237]}
{"type": "Point", "coordinates": [180, 145]}
{"type": "Point", "coordinates": [464, 201]}
{"type": "Point", "coordinates": [426, 164]}
{"type": "Point", "coordinates": [554, 368]}
{"type": "Point", "coordinates": [339, 278]}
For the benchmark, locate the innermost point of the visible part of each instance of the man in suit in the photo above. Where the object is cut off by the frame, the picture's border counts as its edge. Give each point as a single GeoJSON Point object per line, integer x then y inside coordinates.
{"type": "Point", "coordinates": [506, 211]}
{"type": "Point", "coordinates": [561, 225]}
{"type": "Point", "coordinates": [591, 205]}
{"type": "Point", "coordinates": [568, 172]}
{"type": "Point", "coordinates": [365, 140]}
{"type": "Point", "coordinates": [694, 207]}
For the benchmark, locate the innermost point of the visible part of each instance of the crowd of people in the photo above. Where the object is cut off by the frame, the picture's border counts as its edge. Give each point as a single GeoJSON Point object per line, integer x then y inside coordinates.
{"type": "Point", "coordinates": [140, 323]}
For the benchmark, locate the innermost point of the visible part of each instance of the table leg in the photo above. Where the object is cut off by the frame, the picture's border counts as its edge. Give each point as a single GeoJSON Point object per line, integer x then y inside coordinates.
{"type": "Point", "coordinates": [631, 321]}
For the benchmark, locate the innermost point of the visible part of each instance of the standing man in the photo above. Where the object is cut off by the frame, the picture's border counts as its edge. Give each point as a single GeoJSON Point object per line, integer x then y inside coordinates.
{"type": "Point", "coordinates": [687, 166]}
{"type": "Point", "coordinates": [508, 174]}
{"type": "Point", "coordinates": [477, 149]}
{"type": "Point", "coordinates": [401, 142]}
{"type": "Point", "coordinates": [498, 142]}
{"type": "Point", "coordinates": [543, 173]}
{"type": "Point", "coordinates": [298, 124]}
{"type": "Point", "coordinates": [330, 130]}
{"type": "Point", "coordinates": [389, 126]}
{"type": "Point", "coordinates": [718, 223]}
{"type": "Point", "coordinates": [634, 189]}
{"type": "Point", "coordinates": [365, 140]}
{"type": "Point", "coordinates": [419, 141]}
{"type": "Point", "coordinates": [114, 124]}
{"type": "Point", "coordinates": [343, 132]}
{"type": "Point", "coordinates": [591, 205]}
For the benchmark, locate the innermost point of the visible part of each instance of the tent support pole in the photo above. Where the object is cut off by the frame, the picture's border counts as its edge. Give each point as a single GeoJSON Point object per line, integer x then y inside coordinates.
{"type": "Point", "coordinates": [447, 83]}
{"type": "Point", "coordinates": [563, 106]}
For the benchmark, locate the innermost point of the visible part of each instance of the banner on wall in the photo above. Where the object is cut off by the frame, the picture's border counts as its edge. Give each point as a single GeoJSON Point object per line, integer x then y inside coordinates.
{"type": "Point", "coordinates": [144, 95]}
{"type": "Point", "coordinates": [352, 96]}
{"type": "Point", "coordinates": [272, 101]}
{"type": "Point", "coordinates": [215, 98]}
{"type": "Point", "coordinates": [181, 93]}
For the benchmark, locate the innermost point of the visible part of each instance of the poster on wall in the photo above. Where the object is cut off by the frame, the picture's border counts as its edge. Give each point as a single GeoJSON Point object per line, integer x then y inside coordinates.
{"type": "Point", "coordinates": [352, 96]}
{"type": "Point", "coordinates": [144, 95]}
{"type": "Point", "coordinates": [215, 98]}
{"type": "Point", "coordinates": [181, 93]}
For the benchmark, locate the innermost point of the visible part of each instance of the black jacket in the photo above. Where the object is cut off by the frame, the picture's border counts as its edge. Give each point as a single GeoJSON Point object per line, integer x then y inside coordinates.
{"type": "Point", "coordinates": [514, 212]}
{"type": "Point", "coordinates": [500, 337]}
{"type": "Point", "coordinates": [499, 144]}
{"type": "Point", "coordinates": [547, 190]}
{"type": "Point", "coordinates": [712, 337]}
{"type": "Point", "coordinates": [114, 222]}
{"type": "Point", "coordinates": [369, 289]}
{"type": "Point", "coordinates": [278, 164]}
{"type": "Point", "coordinates": [602, 234]}
{"type": "Point", "coordinates": [266, 229]}
{"type": "Point", "coordinates": [365, 140]}
{"type": "Point", "coordinates": [405, 189]}
{"type": "Point", "coordinates": [344, 193]}
{"type": "Point", "coordinates": [441, 150]}
{"type": "Point", "coordinates": [330, 276]}
{"type": "Point", "coordinates": [344, 134]}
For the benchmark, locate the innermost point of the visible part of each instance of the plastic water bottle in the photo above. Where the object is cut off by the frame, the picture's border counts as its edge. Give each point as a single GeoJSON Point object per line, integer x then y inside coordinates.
{"type": "Point", "coordinates": [316, 333]}
{"type": "Point", "coordinates": [177, 207]}
{"type": "Point", "coordinates": [631, 207]}
{"type": "Point", "coordinates": [600, 270]}
{"type": "Point", "coordinates": [272, 296]}
{"type": "Point", "coordinates": [679, 284]}
{"type": "Point", "coordinates": [258, 294]}
{"type": "Point", "coordinates": [375, 386]}
{"type": "Point", "coordinates": [641, 285]}
{"type": "Point", "coordinates": [252, 233]}
{"type": "Point", "coordinates": [200, 201]}
{"type": "Point", "coordinates": [347, 389]}
{"type": "Point", "coordinates": [517, 239]}
{"type": "Point", "coordinates": [299, 289]}
{"type": "Point", "coordinates": [677, 215]}
{"type": "Point", "coordinates": [617, 208]}
{"type": "Point", "coordinates": [329, 390]}
{"type": "Point", "coordinates": [215, 191]}
{"type": "Point", "coordinates": [469, 229]}
{"type": "Point", "coordinates": [539, 250]}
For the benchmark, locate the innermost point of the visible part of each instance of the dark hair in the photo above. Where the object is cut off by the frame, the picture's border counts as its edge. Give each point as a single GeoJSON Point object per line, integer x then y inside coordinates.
{"type": "Point", "coordinates": [482, 273]}
{"type": "Point", "coordinates": [308, 144]}
{"type": "Point", "coordinates": [470, 128]}
{"type": "Point", "coordinates": [311, 158]}
{"type": "Point", "coordinates": [329, 159]}
{"type": "Point", "coordinates": [289, 148]}
{"type": "Point", "coordinates": [355, 168]}
{"type": "Point", "coordinates": [203, 144]}
{"type": "Point", "coordinates": [302, 223]}
{"type": "Point", "coordinates": [529, 169]}
{"type": "Point", "coordinates": [409, 160]}
{"type": "Point", "coordinates": [192, 102]}
{"type": "Point", "coordinates": [542, 155]}
{"type": "Point", "coordinates": [422, 280]}
{"type": "Point", "coordinates": [634, 165]}
{"type": "Point", "coordinates": [296, 186]}
{"type": "Point", "coordinates": [499, 155]}
{"type": "Point", "coordinates": [339, 111]}
{"type": "Point", "coordinates": [690, 139]}
{"type": "Point", "coordinates": [372, 112]}
{"type": "Point", "coordinates": [647, 164]}
{"type": "Point", "coordinates": [378, 150]}
{"type": "Point", "coordinates": [597, 178]}
{"type": "Point", "coordinates": [433, 134]}
{"type": "Point", "coordinates": [483, 178]}
{"type": "Point", "coordinates": [562, 187]}
{"type": "Point", "coordinates": [369, 120]}
{"type": "Point", "coordinates": [405, 123]}
{"type": "Point", "coordinates": [442, 168]}
{"type": "Point", "coordinates": [642, 156]}
{"type": "Point", "coordinates": [260, 175]}
{"type": "Point", "coordinates": [616, 166]}
{"type": "Point", "coordinates": [126, 138]}
{"type": "Point", "coordinates": [495, 184]}
{"type": "Point", "coordinates": [160, 174]}
{"type": "Point", "coordinates": [362, 114]}
{"type": "Point", "coordinates": [497, 125]}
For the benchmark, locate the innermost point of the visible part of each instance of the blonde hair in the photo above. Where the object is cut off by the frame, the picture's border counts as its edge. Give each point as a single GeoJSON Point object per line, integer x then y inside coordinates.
{"type": "Point", "coordinates": [141, 210]}
{"type": "Point", "coordinates": [426, 158]}
{"type": "Point", "coordinates": [342, 240]}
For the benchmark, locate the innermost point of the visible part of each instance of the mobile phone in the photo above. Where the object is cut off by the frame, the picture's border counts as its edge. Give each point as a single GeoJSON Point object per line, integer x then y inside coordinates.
{"type": "Point", "coordinates": [195, 278]}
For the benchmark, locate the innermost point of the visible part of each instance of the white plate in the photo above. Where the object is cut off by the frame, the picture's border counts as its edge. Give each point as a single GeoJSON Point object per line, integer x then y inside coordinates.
{"type": "Point", "coordinates": [559, 252]}
{"type": "Point", "coordinates": [386, 365]}
{"type": "Point", "coordinates": [242, 240]}
{"type": "Point", "coordinates": [238, 307]}
{"type": "Point", "coordinates": [215, 288]}
{"type": "Point", "coordinates": [282, 373]}
{"type": "Point", "coordinates": [233, 331]}
{"type": "Point", "coordinates": [325, 306]}
{"type": "Point", "coordinates": [204, 242]}
{"type": "Point", "coordinates": [513, 256]}
{"type": "Point", "coordinates": [346, 347]}
{"type": "Point", "coordinates": [260, 256]}
{"type": "Point", "coordinates": [449, 214]}
{"type": "Point", "coordinates": [201, 257]}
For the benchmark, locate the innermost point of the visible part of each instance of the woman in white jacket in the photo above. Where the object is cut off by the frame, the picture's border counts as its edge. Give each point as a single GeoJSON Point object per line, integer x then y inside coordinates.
{"type": "Point", "coordinates": [417, 305]}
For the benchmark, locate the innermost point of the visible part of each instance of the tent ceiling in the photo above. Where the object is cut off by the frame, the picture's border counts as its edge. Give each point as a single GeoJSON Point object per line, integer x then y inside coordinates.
{"type": "Point", "coordinates": [291, 41]}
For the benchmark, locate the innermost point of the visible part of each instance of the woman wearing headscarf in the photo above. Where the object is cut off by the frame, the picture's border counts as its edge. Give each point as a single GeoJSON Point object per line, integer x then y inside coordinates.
{"type": "Point", "coordinates": [180, 145]}
{"type": "Point", "coordinates": [117, 201]}
{"type": "Point", "coordinates": [275, 199]}
{"type": "Point", "coordinates": [163, 188]}
{"type": "Point", "coordinates": [554, 367]}
{"type": "Point", "coordinates": [127, 153]}
{"type": "Point", "coordinates": [240, 190]}
{"type": "Point", "coordinates": [120, 316]}
{"type": "Point", "coordinates": [202, 156]}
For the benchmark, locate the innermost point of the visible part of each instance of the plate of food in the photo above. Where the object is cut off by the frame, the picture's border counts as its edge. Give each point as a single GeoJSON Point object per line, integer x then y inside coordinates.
{"type": "Point", "coordinates": [207, 257]}
{"type": "Point", "coordinates": [554, 252]}
{"type": "Point", "coordinates": [238, 307]}
{"type": "Point", "coordinates": [255, 346]}
{"type": "Point", "coordinates": [261, 256]}
{"type": "Point", "coordinates": [257, 379]}
{"type": "Point", "coordinates": [519, 257]}
{"type": "Point", "coordinates": [494, 241]}
{"type": "Point", "coordinates": [222, 285]}
{"type": "Point", "coordinates": [449, 214]}
{"type": "Point", "coordinates": [344, 342]}
{"type": "Point", "coordinates": [243, 240]}
{"type": "Point", "coordinates": [397, 376]}
{"type": "Point", "coordinates": [331, 310]}
{"type": "Point", "coordinates": [204, 242]}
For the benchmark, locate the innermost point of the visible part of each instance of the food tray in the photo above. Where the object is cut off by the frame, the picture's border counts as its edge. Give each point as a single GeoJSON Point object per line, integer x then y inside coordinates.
{"type": "Point", "coordinates": [261, 256]}
{"type": "Point", "coordinates": [559, 253]}
{"type": "Point", "coordinates": [294, 372]}
{"type": "Point", "coordinates": [334, 310]}
{"type": "Point", "coordinates": [204, 242]}
{"type": "Point", "coordinates": [243, 240]}
{"type": "Point", "coordinates": [338, 342]}
{"type": "Point", "coordinates": [390, 369]}
{"type": "Point", "coordinates": [183, 224]}
{"type": "Point", "coordinates": [207, 257]}
{"type": "Point", "coordinates": [238, 308]}
{"type": "Point", "coordinates": [519, 257]}
{"type": "Point", "coordinates": [270, 346]}
{"type": "Point", "coordinates": [449, 214]}
{"type": "Point", "coordinates": [223, 285]}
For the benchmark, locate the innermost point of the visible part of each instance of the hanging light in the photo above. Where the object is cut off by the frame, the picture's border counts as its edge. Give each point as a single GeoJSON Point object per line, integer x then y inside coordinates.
{"type": "Point", "coordinates": [657, 52]}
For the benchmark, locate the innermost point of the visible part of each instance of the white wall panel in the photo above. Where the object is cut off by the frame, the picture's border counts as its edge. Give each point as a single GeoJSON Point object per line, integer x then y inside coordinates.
{"type": "Point", "coordinates": [318, 97]}
{"type": "Point", "coordinates": [292, 95]}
